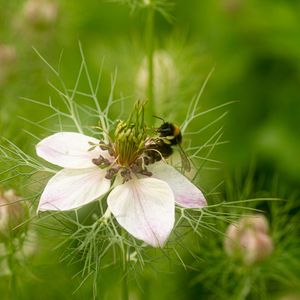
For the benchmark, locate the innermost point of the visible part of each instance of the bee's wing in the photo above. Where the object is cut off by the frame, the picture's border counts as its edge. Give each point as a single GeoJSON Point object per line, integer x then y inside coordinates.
{"type": "Point", "coordinates": [186, 165]}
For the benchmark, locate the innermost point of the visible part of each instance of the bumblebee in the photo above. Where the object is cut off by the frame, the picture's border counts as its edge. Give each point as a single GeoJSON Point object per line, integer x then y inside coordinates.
{"type": "Point", "coordinates": [162, 146]}
{"type": "Point", "coordinates": [171, 132]}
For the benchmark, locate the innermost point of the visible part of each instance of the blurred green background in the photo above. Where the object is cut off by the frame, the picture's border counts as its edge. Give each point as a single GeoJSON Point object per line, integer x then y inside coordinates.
{"type": "Point", "coordinates": [254, 47]}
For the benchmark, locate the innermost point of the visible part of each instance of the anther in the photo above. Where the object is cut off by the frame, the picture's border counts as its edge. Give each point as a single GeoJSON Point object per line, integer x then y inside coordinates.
{"type": "Point", "coordinates": [146, 173]}
{"type": "Point", "coordinates": [101, 161]}
{"type": "Point", "coordinates": [110, 173]}
{"type": "Point", "coordinates": [136, 167]}
{"type": "Point", "coordinates": [103, 146]}
{"type": "Point", "coordinates": [126, 174]}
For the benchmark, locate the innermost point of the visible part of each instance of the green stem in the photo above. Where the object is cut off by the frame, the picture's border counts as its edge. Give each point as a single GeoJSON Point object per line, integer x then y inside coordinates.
{"type": "Point", "coordinates": [10, 260]}
{"type": "Point", "coordinates": [150, 51]}
{"type": "Point", "coordinates": [125, 294]}
{"type": "Point", "coordinates": [125, 253]}
{"type": "Point", "coordinates": [246, 289]}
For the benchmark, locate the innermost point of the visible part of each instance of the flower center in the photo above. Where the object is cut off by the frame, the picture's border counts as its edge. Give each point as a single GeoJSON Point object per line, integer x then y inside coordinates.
{"type": "Point", "coordinates": [127, 148]}
{"type": "Point", "coordinates": [129, 143]}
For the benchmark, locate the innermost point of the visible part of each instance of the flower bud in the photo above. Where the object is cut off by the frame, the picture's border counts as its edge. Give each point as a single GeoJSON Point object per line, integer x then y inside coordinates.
{"type": "Point", "coordinates": [248, 240]}
{"type": "Point", "coordinates": [232, 6]}
{"type": "Point", "coordinates": [12, 214]}
{"type": "Point", "coordinates": [40, 13]}
{"type": "Point", "coordinates": [8, 59]}
{"type": "Point", "coordinates": [165, 81]}
{"type": "Point", "coordinates": [258, 222]}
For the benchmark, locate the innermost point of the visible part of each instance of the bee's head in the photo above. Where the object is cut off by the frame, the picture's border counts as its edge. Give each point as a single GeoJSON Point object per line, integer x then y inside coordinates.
{"type": "Point", "coordinates": [166, 129]}
{"type": "Point", "coordinates": [169, 130]}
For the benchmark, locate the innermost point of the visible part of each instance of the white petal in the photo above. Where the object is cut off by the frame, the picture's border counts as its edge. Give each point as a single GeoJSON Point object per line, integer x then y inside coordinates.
{"type": "Point", "coordinates": [69, 150]}
{"type": "Point", "coordinates": [70, 189]}
{"type": "Point", "coordinates": [145, 208]}
{"type": "Point", "coordinates": [186, 193]}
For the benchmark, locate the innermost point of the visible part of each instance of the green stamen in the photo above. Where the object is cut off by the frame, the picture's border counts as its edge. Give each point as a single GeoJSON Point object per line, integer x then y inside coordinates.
{"type": "Point", "coordinates": [130, 137]}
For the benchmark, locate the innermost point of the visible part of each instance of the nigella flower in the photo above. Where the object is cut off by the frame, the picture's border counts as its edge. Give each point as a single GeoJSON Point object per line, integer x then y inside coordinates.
{"type": "Point", "coordinates": [142, 189]}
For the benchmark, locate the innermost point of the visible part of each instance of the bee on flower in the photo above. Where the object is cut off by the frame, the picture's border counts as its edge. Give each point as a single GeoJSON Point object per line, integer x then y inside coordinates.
{"type": "Point", "coordinates": [142, 187]}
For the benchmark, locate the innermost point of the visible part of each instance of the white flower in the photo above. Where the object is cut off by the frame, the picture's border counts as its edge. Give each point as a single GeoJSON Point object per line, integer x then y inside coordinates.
{"type": "Point", "coordinates": [143, 205]}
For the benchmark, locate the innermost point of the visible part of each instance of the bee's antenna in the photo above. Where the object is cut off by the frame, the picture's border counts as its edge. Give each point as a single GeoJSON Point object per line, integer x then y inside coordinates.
{"type": "Point", "coordinates": [159, 118]}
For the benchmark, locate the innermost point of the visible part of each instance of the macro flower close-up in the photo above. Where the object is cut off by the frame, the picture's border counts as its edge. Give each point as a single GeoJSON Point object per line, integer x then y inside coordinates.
{"type": "Point", "coordinates": [143, 188]}
{"type": "Point", "coordinates": [148, 150]}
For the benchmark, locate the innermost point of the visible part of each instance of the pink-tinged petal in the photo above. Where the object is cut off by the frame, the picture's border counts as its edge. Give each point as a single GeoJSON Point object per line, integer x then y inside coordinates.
{"type": "Point", "coordinates": [69, 150]}
{"type": "Point", "coordinates": [145, 208]}
{"type": "Point", "coordinates": [70, 189]}
{"type": "Point", "coordinates": [186, 193]}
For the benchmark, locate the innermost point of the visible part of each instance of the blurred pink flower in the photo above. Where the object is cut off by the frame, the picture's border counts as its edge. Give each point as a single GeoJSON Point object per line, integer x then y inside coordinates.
{"type": "Point", "coordinates": [8, 59]}
{"type": "Point", "coordinates": [40, 12]}
{"type": "Point", "coordinates": [12, 213]}
{"type": "Point", "coordinates": [249, 239]}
